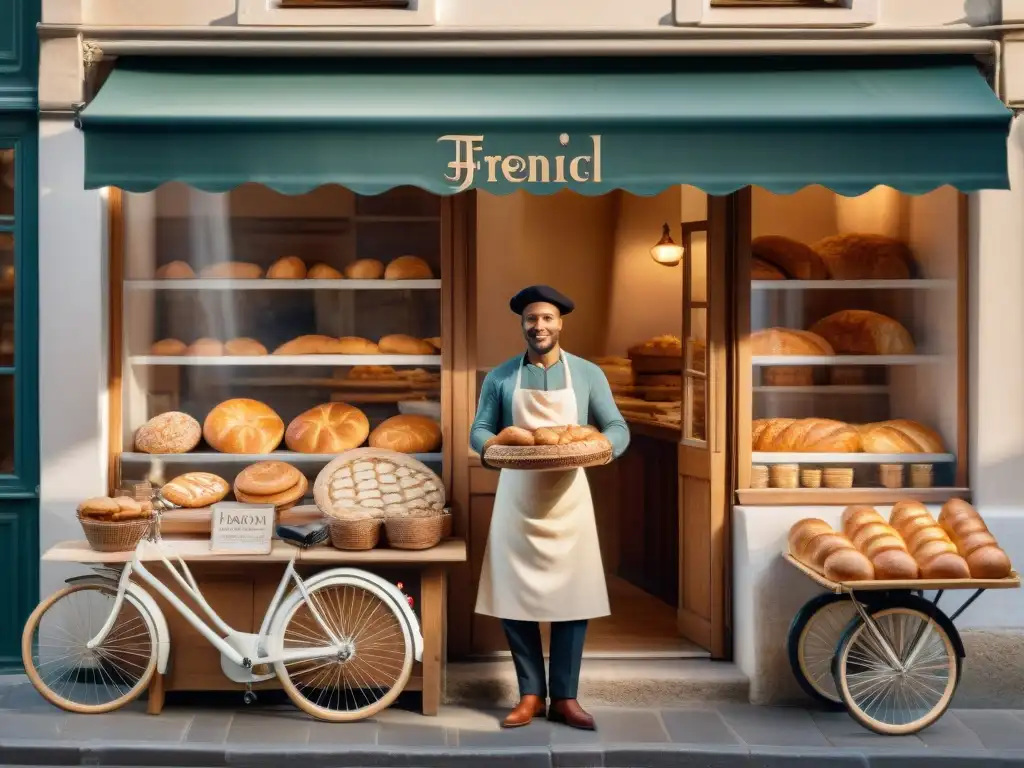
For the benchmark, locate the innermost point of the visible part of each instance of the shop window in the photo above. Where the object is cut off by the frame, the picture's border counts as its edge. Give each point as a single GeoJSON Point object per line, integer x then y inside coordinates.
{"type": "Point", "coordinates": [777, 13]}
{"type": "Point", "coordinates": [290, 301]}
{"type": "Point", "coordinates": [6, 182]}
{"type": "Point", "coordinates": [857, 310]}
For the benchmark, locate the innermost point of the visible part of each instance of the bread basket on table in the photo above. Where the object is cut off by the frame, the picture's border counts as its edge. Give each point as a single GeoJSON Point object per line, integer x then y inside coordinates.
{"type": "Point", "coordinates": [548, 449]}
{"type": "Point", "coordinates": [114, 525]}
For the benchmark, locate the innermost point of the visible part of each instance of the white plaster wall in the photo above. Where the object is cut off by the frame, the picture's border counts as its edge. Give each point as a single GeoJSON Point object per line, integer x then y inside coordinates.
{"type": "Point", "coordinates": [72, 340]}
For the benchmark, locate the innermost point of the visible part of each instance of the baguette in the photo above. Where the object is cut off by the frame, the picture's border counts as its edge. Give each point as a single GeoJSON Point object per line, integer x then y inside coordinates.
{"type": "Point", "coordinates": [814, 543]}
{"type": "Point", "coordinates": [974, 542]}
{"type": "Point", "coordinates": [880, 543]}
{"type": "Point", "coordinates": [806, 435]}
{"type": "Point", "coordinates": [928, 544]}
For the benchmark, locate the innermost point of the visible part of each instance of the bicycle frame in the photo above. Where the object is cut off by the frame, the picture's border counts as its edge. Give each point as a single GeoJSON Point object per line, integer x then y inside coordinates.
{"type": "Point", "coordinates": [188, 584]}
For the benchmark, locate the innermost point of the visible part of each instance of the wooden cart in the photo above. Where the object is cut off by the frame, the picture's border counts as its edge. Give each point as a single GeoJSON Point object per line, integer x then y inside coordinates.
{"type": "Point", "coordinates": [880, 650]}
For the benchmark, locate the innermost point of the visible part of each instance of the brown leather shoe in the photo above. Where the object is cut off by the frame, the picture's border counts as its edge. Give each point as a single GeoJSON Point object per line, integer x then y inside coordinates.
{"type": "Point", "coordinates": [529, 707]}
{"type": "Point", "coordinates": [569, 712]}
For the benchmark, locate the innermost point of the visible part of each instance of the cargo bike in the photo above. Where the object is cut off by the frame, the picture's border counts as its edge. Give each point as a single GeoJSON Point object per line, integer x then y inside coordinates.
{"type": "Point", "coordinates": [880, 650]}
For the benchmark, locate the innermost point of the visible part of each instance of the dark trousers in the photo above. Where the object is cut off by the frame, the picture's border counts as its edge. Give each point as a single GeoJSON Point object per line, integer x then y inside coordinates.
{"type": "Point", "coordinates": [528, 656]}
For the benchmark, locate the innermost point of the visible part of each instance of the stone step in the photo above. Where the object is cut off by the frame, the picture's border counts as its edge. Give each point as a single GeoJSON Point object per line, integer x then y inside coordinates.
{"type": "Point", "coordinates": [606, 682]}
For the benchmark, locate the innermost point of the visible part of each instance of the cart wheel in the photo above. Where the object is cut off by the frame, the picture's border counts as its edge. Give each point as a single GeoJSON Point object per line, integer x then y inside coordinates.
{"type": "Point", "coordinates": [906, 692]}
{"type": "Point", "coordinates": [814, 636]}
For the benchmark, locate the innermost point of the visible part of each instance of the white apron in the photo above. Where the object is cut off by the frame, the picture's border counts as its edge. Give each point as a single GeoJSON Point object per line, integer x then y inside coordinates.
{"type": "Point", "coordinates": [543, 560]}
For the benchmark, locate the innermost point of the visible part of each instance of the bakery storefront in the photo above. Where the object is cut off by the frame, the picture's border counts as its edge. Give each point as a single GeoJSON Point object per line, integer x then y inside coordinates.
{"type": "Point", "coordinates": [770, 246]}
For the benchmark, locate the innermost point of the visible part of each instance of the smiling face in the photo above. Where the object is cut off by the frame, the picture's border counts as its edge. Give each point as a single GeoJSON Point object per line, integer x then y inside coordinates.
{"type": "Point", "coordinates": [542, 325]}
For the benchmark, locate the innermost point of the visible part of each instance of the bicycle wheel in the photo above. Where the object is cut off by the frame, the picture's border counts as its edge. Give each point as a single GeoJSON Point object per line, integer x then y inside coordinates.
{"type": "Point", "coordinates": [82, 680]}
{"type": "Point", "coordinates": [813, 639]}
{"type": "Point", "coordinates": [906, 697]}
{"type": "Point", "coordinates": [375, 661]}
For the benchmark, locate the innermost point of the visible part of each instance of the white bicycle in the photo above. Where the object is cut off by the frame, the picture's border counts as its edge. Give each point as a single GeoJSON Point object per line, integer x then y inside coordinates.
{"type": "Point", "coordinates": [342, 643]}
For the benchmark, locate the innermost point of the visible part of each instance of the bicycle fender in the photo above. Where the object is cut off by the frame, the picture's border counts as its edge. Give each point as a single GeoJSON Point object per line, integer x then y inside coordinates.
{"type": "Point", "coordinates": [145, 601]}
{"type": "Point", "coordinates": [389, 588]}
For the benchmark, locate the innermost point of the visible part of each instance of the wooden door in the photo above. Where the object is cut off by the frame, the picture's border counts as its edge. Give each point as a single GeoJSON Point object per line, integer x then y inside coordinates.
{"type": "Point", "coordinates": [703, 449]}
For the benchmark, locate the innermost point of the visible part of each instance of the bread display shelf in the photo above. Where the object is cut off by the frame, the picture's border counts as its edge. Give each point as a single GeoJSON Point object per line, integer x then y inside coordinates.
{"type": "Point", "coordinates": [214, 457]}
{"type": "Point", "coordinates": [779, 457]}
{"type": "Point", "coordinates": [767, 497]}
{"type": "Point", "coordinates": [1011, 582]}
{"type": "Point", "coordinates": [264, 284]}
{"type": "Point", "coordinates": [813, 360]}
{"type": "Point", "coordinates": [838, 285]}
{"type": "Point", "coordinates": [825, 389]}
{"type": "Point", "coordinates": [286, 360]}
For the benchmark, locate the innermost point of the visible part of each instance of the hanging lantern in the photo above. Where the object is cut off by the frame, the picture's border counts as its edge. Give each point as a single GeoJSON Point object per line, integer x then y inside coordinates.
{"type": "Point", "coordinates": [665, 250]}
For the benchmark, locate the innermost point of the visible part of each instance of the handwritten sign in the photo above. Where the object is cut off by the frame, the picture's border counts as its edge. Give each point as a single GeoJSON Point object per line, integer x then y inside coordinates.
{"type": "Point", "coordinates": [242, 528]}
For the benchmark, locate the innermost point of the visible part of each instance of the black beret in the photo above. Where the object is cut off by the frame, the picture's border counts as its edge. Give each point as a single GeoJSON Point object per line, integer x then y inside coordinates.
{"type": "Point", "coordinates": [544, 293]}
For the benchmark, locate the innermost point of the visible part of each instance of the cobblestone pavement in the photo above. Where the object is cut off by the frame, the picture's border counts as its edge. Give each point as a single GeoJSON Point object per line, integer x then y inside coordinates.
{"type": "Point", "coordinates": [205, 731]}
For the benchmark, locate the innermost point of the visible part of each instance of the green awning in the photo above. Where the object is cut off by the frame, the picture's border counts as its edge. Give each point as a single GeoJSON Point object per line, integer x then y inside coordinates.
{"type": "Point", "coordinates": [847, 123]}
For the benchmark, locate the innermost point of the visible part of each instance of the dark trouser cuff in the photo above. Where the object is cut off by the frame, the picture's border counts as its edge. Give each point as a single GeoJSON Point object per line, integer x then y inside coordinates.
{"type": "Point", "coordinates": [567, 639]}
{"type": "Point", "coordinates": [527, 656]}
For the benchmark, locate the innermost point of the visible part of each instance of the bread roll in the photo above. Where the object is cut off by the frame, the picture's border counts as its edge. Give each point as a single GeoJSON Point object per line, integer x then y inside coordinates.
{"type": "Point", "coordinates": [861, 332]}
{"type": "Point", "coordinates": [287, 268]}
{"type": "Point", "coordinates": [357, 345]}
{"type": "Point", "coordinates": [401, 344]}
{"type": "Point", "coordinates": [175, 270]}
{"type": "Point", "coordinates": [823, 546]}
{"type": "Point", "coordinates": [279, 500]}
{"type": "Point", "coordinates": [98, 508]}
{"type": "Point", "coordinates": [973, 540]}
{"type": "Point", "coordinates": [311, 344]}
{"type": "Point", "coordinates": [195, 489]}
{"type": "Point", "coordinates": [786, 341]}
{"type": "Point", "coordinates": [807, 436]}
{"type": "Point", "coordinates": [514, 436]}
{"type": "Point", "coordinates": [792, 257]}
{"type": "Point", "coordinates": [267, 477]}
{"type": "Point", "coordinates": [801, 533]}
{"type": "Point", "coordinates": [407, 433]}
{"type": "Point", "coordinates": [323, 272]}
{"type": "Point", "coordinates": [894, 564]}
{"type": "Point", "coordinates": [848, 565]}
{"type": "Point", "coordinates": [242, 425]}
{"type": "Point", "coordinates": [762, 270]}
{"type": "Point", "coordinates": [926, 541]}
{"type": "Point", "coordinates": [408, 268]}
{"type": "Point", "coordinates": [169, 347]}
{"type": "Point", "coordinates": [205, 347]}
{"type": "Point", "coordinates": [327, 428]}
{"type": "Point", "coordinates": [364, 269]}
{"type": "Point", "coordinates": [865, 257]}
{"type": "Point", "coordinates": [171, 432]}
{"type": "Point", "coordinates": [879, 542]}
{"type": "Point", "coordinates": [856, 516]}
{"type": "Point", "coordinates": [244, 347]}
{"type": "Point", "coordinates": [373, 373]}
{"type": "Point", "coordinates": [900, 436]}
{"type": "Point", "coordinates": [235, 270]}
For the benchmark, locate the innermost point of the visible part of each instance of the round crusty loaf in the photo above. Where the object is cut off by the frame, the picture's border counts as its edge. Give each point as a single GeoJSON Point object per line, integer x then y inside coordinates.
{"type": "Point", "coordinates": [865, 257]}
{"type": "Point", "coordinates": [403, 344]}
{"type": "Point", "coordinates": [205, 347]}
{"type": "Point", "coordinates": [244, 347]}
{"type": "Point", "coordinates": [364, 269]}
{"type": "Point", "coordinates": [323, 272]}
{"type": "Point", "coordinates": [407, 433]}
{"type": "Point", "coordinates": [792, 257]}
{"type": "Point", "coordinates": [327, 428]}
{"type": "Point", "coordinates": [862, 332]}
{"type": "Point", "coordinates": [173, 347]}
{"type": "Point", "coordinates": [175, 270]}
{"type": "Point", "coordinates": [408, 268]}
{"type": "Point", "coordinates": [171, 432]}
{"type": "Point", "coordinates": [267, 477]}
{"type": "Point", "coordinates": [287, 268]}
{"type": "Point", "coordinates": [762, 270]}
{"type": "Point", "coordinates": [899, 436]}
{"type": "Point", "coordinates": [241, 425]}
{"type": "Point", "coordinates": [195, 489]}
{"type": "Point", "coordinates": [236, 270]}
{"type": "Point", "coordinates": [788, 341]}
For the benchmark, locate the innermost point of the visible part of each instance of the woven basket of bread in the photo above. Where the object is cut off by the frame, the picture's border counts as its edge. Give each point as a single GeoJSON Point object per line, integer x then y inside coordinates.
{"type": "Point", "coordinates": [114, 525]}
{"type": "Point", "coordinates": [378, 482]}
{"type": "Point", "coordinates": [418, 530]}
{"type": "Point", "coordinates": [548, 448]}
{"type": "Point", "coordinates": [355, 531]}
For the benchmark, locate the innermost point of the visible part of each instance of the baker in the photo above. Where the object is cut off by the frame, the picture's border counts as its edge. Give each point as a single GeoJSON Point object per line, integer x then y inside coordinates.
{"type": "Point", "coordinates": [543, 561]}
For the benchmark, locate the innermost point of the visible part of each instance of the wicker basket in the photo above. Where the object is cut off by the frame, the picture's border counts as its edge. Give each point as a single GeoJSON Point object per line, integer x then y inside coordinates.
{"type": "Point", "coordinates": [838, 477]}
{"type": "Point", "coordinates": [415, 531]}
{"type": "Point", "coordinates": [921, 475]}
{"type": "Point", "coordinates": [586, 453]}
{"type": "Point", "coordinates": [759, 476]}
{"type": "Point", "coordinates": [446, 523]}
{"type": "Point", "coordinates": [354, 533]}
{"type": "Point", "coordinates": [890, 475]}
{"type": "Point", "coordinates": [784, 475]}
{"type": "Point", "coordinates": [810, 478]}
{"type": "Point", "coordinates": [114, 536]}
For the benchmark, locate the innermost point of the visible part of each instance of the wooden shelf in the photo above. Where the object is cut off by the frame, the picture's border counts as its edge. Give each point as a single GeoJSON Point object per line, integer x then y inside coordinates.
{"type": "Point", "coordinates": [773, 457]}
{"type": "Point", "coordinates": [265, 284]}
{"type": "Point", "coordinates": [285, 360]}
{"type": "Point", "coordinates": [854, 360]}
{"type": "Point", "coordinates": [829, 389]}
{"type": "Point", "coordinates": [841, 285]}
{"type": "Point", "coordinates": [779, 497]}
{"type": "Point", "coordinates": [215, 457]}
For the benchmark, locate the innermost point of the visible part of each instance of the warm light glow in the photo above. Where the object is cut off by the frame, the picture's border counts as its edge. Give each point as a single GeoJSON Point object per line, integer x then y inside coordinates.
{"type": "Point", "coordinates": [666, 251]}
{"type": "Point", "coordinates": [877, 211]}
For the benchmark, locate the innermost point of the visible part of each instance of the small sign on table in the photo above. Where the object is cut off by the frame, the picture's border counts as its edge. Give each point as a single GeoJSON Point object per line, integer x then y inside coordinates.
{"type": "Point", "coordinates": [241, 529]}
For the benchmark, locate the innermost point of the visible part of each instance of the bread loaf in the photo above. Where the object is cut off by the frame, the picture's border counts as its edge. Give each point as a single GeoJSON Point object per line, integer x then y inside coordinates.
{"type": "Point", "coordinates": [787, 341]}
{"type": "Point", "coordinates": [801, 533]}
{"type": "Point", "coordinates": [281, 499]}
{"type": "Point", "coordinates": [814, 543]}
{"type": "Point", "coordinates": [407, 433]}
{"type": "Point", "coordinates": [381, 484]}
{"type": "Point", "coordinates": [195, 489]}
{"type": "Point", "coordinates": [364, 269]}
{"type": "Point", "coordinates": [267, 477]}
{"type": "Point", "coordinates": [402, 344]}
{"type": "Point", "coordinates": [242, 425]}
{"type": "Point", "coordinates": [312, 344]}
{"type": "Point", "coordinates": [287, 268]}
{"type": "Point", "coordinates": [171, 432]}
{"type": "Point", "coordinates": [205, 347]}
{"type": "Point", "coordinates": [806, 436]}
{"type": "Point", "coordinates": [357, 345]}
{"type": "Point", "coordinates": [879, 542]}
{"type": "Point", "coordinates": [235, 270]}
{"type": "Point", "coordinates": [762, 270]}
{"type": "Point", "coordinates": [926, 541]}
{"type": "Point", "coordinates": [665, 345]}
{"type": "Point", "coordinates": [899, 436]}
{"type": "Point", "coordinates": [328, 428]}
{"type": "Point", "coordinates": [373, 373]}
{"type": "Point", "coordinates": [792, 257]}
{"type": "Point", "coordinates": [973, 540]}
{"type": "Point", "coordinates": [861, 332]}
{"type": "Point", "coordinates": [514, 436]}
{"type": "Point", "coordinates": [244, 347]}
{"type": "Point", "coordinates": [323, 272]}
{"type": "Point", "coordinates": [408, 268]}
{"type": "Point", "coordinates": [175, 270]}
{"type": "Point", "coordinates": [865, 257]}
{"type": "Point", "coordinates": [434, 341]}
{"type": "Point", "coordinates": [172, 347]}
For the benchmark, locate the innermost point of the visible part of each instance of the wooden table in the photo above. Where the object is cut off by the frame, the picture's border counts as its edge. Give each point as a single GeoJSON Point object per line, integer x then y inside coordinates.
{"type": "Point", "coordinates": [240, 587]}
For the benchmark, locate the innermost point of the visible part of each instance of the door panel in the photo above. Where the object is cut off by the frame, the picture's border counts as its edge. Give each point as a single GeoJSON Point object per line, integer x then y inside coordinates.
{"type": "Point", "coordinates": [19, 568]}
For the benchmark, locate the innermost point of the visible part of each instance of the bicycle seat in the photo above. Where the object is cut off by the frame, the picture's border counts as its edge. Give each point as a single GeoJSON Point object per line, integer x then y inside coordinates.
{"type": "Point", "coordinates": [304, 536]}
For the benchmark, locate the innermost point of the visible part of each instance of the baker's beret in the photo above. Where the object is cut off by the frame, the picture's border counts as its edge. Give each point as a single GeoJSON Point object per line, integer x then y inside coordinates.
{"type": "Point", "coordinates": [545, 293]}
